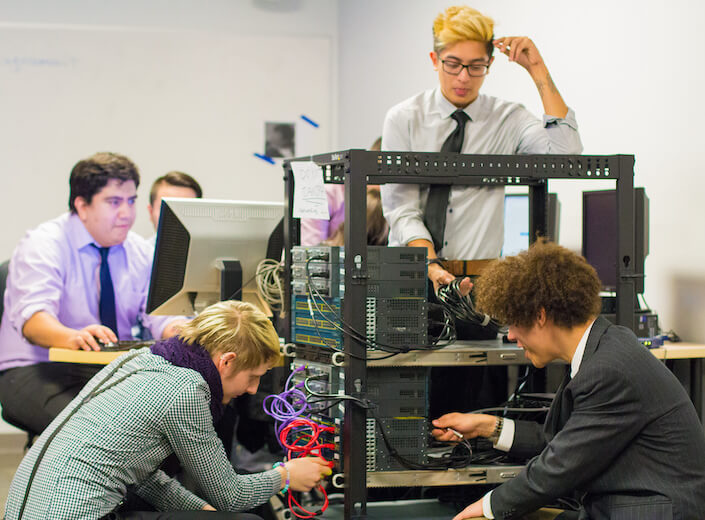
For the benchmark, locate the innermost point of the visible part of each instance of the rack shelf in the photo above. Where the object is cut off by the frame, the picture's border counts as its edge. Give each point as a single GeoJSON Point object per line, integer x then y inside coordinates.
{"type": "Point", "coordinates": [355, 169]}
{"type": "Point", "coordinates": [494, 474]}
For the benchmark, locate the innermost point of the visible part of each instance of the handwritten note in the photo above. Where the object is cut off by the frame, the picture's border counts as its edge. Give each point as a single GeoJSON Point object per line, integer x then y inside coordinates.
{"type": "Point", "coordinates": [310, 199]}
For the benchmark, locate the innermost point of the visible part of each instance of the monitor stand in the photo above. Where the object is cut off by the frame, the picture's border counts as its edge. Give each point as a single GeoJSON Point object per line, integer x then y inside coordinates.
{"type": "Point", "coordinates": [230, 280]}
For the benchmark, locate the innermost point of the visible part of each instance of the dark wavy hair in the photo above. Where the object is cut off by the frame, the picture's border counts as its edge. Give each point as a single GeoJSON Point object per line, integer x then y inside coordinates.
{"type": "Point", "coordinates": [546, 276]}
{"type": "Point", "coordinates": [90, 175]}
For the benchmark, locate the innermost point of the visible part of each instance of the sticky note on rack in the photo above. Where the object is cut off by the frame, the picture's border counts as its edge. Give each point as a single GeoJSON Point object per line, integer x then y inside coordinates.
{"type": "Point", "coordinates": [310, 199]}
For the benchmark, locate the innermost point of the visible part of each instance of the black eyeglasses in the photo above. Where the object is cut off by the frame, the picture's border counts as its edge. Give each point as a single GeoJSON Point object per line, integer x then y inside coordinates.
{"type": "Point", "coordinates": [474, 70]}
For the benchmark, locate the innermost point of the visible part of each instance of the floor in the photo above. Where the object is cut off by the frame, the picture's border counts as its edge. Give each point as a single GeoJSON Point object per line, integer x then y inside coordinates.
{"type": "Point", "coordinates": [11, 453]}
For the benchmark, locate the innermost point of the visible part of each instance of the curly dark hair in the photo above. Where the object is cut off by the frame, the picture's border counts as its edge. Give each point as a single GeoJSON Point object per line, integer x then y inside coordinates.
{"type": "Point", "coordinates": [90, 175]}
{"type": "Point", "coordinates": [546, 276]}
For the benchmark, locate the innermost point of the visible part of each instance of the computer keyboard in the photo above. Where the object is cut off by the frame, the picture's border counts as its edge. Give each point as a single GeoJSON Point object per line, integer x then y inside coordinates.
{"type": "Point", "coordinates": [123, 345]}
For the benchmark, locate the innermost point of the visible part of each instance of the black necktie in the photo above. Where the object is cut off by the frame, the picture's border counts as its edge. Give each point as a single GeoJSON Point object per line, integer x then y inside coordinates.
{"type": "Point", "coordinates": [106, 302]}
{"type": "Point", "coordinates": [438, 194]}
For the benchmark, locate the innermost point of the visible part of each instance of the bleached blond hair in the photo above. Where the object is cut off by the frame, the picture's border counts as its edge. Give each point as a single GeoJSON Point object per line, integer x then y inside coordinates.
{"type": "Point", "coordinates": [461, 23]}
{"type": "Point", "coordinates": [234, 326]}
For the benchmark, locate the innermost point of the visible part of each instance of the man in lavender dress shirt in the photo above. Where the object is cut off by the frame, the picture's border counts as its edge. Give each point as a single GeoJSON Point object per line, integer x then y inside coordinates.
{"type": "Point", "coordinates": [53, 291]}
{"type": "Point", "coordinates": [314, 231]}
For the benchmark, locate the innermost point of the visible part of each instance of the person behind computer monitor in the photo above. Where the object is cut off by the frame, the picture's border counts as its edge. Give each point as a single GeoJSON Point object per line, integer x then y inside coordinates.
{"type": "Point", "coordinates": [621, 436]}
{"type": "Point", "coordinates": [377, 227]}
{"type": "Point", "coordinates": [331, 231]}
{"type": "Point", "coordinates": [75, 280]}
{"type": "Point", "coordinates": [174, 184]}
{"type": "Point", "coordinates": [147, 405]}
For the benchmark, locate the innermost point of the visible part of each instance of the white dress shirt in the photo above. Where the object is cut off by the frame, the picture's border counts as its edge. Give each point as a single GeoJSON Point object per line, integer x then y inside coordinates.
{"type": "Point", "coordinates": [475, 218]}
{"type": "Point", "coordinates": [506, 436]}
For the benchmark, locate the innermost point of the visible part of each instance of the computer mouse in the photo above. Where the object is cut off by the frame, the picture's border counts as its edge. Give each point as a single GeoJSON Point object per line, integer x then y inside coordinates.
{"type": "Point", "coordinates": [104, 345]}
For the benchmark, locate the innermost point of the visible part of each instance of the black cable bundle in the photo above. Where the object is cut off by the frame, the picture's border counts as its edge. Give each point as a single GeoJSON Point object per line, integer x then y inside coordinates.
{"type": "Point", "coordinates": [462, 308]}
{"type": "Point", "coordinates": [460, 457]}
{"type": "Point", "coordinates": [315, 297]}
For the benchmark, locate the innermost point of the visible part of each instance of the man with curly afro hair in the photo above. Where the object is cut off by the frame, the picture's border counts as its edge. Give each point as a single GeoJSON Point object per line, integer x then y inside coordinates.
{"type": "Point", "coordinates": [621, 435]}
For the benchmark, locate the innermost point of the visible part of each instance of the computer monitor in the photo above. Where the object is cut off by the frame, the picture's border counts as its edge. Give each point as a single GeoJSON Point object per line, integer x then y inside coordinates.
{"type": "Point", "coordinates": [600, 235]}
{"type": "Point", "coordinates": [207, 251]}
{"type": "Point", "coordinates": [516, 221]}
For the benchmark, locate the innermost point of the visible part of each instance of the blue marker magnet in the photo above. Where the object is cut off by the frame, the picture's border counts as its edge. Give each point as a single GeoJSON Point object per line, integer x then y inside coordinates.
{"type": "Point", "coordinates": [310, 121]}
{"type": "Point", "coordinates": [265, 158]}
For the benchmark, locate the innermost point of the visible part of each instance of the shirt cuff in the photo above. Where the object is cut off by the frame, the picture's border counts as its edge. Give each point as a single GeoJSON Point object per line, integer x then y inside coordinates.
{"type": "Point", "coordinates": [569, 119]}
{"type": "Point", "coordinates": [276, 481]}
{"type": "Point", "coordinates": [160, 323]}
{"type": "Point", "coordinates": [506, 437]}
{"type": "Point", "coordinates": [487, 506]}
{"type": "Point", "coordinates": [20, 318]}
{"type": "Point", "coordinates": [412, 229]}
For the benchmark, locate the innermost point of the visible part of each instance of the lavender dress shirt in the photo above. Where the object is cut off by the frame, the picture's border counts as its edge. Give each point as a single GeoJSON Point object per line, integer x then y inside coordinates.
{"type": "Point", "coordinates": [56, 270]}
{"type": "Point", "coordinates": [313, 230]}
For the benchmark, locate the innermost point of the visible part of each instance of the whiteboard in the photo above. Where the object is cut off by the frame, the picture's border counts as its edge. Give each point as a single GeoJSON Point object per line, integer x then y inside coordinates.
{"type": "Point", "coordinates": [169, 100]}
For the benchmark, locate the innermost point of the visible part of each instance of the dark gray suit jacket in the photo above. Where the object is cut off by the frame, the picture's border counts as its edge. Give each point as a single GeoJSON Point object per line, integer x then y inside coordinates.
{"type": "Point", "coordinates": [622, 434]}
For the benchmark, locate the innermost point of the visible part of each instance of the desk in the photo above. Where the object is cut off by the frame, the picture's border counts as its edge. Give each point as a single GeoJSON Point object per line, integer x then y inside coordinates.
{"type": "Point", "coordinates": [491, 352]}
{"type": "Point", "coordinates": [92, 357]}
{"type": "Point", "coordinates": [679, 351]}
{"type": "Point", "coordinates": [695, 353]}
{"type": "Point", "coordinates": [494, 352]}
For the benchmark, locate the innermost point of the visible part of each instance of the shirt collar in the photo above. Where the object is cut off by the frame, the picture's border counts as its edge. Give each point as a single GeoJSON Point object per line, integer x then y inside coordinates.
{"type": "Point", "coordinates": [445, 108]}
{"type": "Point", "coordinates": [580, 351]}
{"type": "Point", "coordinates": [78, 234]}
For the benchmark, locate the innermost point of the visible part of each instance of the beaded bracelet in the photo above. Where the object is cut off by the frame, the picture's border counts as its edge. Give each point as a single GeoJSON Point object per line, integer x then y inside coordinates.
{"type": "Point", "coordinates": [286, 486]}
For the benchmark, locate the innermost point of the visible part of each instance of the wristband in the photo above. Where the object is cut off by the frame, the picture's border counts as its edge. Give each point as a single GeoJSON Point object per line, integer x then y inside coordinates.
{"type": "Point", "coordinates": [435, 261]}
{"type": "Point", "coordinates": [498, 425]}
{"type": "Point", "coordinates": [286, 486]}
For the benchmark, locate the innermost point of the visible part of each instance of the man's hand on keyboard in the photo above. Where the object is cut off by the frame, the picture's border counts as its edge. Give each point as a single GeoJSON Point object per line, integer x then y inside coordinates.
{"type": "Point", "coordinates": [89, 338]}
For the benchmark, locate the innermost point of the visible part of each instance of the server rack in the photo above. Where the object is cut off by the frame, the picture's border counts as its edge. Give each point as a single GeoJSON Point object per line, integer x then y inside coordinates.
{"type": "Point", "coordinates": [356, 168]}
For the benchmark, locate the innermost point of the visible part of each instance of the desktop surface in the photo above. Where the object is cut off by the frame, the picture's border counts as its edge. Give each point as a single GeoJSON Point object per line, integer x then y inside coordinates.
{"type": "Point", "coordinates": [91, 357]}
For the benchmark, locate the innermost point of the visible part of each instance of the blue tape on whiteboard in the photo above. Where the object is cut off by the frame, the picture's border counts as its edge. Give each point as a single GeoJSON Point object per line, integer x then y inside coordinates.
{"type": "Point", "coordinates": [310, 121]}
{"type": "Point", "coordinates": [265, 158]}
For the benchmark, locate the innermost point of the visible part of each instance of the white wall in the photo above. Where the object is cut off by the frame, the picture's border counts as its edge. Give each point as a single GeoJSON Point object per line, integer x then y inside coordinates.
{"type": "Point", "coordinates": [22, 208]}
{"type": "Point", "coordinates": [632, 71]}
{"type": "Point", "coordinates": [183, 85]}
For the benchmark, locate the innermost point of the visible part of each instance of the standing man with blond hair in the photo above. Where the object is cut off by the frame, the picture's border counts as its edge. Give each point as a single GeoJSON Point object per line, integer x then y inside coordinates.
{"type": "Point", "coordinates": [466, 222]}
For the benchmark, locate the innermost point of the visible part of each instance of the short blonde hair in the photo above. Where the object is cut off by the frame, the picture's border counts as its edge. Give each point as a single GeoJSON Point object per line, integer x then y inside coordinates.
{"type": "Point", "coordinates": [461, 23]}
{"type": "Point", "coordinates": [234, 326]}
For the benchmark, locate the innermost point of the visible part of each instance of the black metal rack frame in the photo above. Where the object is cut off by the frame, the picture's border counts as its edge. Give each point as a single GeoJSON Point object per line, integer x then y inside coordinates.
{"type": "Point", "coordinates": [356, 168]}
